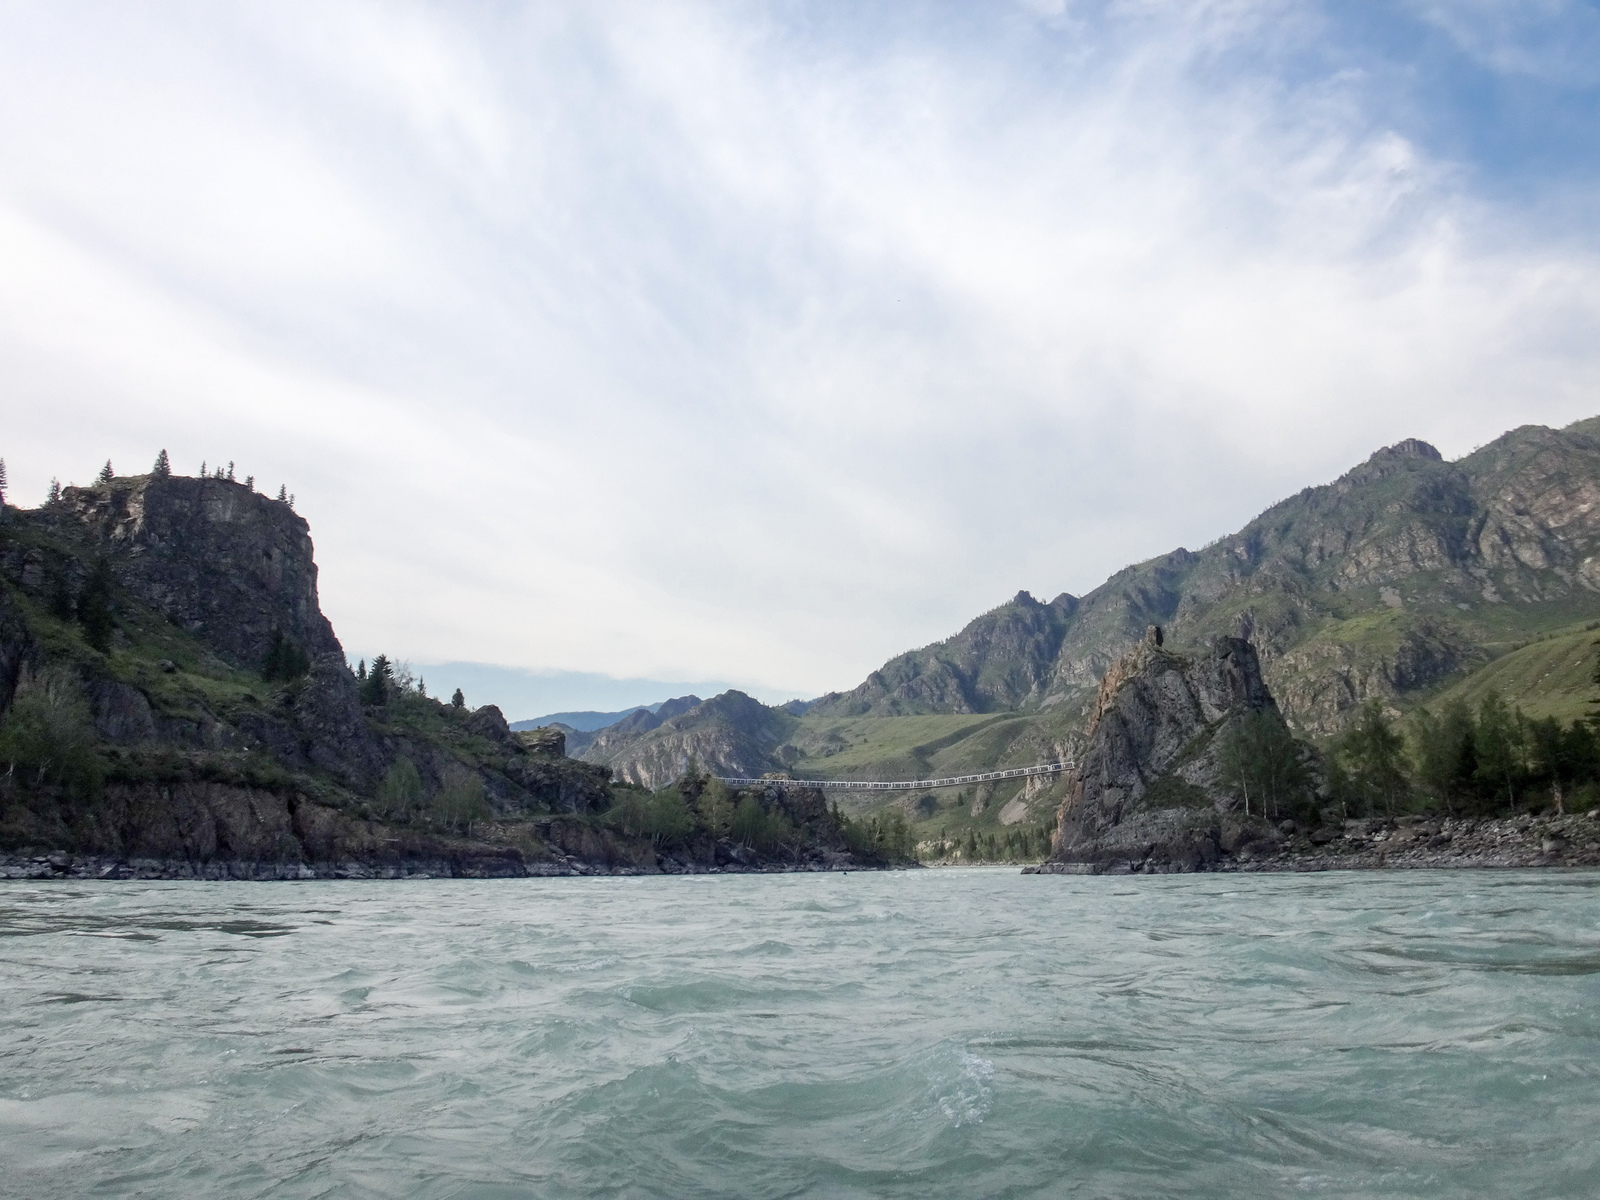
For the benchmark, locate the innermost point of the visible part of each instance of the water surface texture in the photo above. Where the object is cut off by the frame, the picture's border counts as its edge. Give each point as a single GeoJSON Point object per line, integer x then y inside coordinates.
{"type": "Point", "coordinates": [928, 1033]}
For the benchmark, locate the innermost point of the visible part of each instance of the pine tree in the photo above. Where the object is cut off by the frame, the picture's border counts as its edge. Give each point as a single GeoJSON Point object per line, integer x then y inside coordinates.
{"type": "Point", "coordinates": [422, 686]}
{"type": "Point", "coordinates": [379, 679]}
{"type": "Point", "coordinates": [94, 607]}
{"type": "Point", "coordinates": [1501, 745]}
{"type": "Point", "coordinates": [60, 592]}
{"type": "Point", "coordinates": [291, 501]}
{"type": "Point", "coordinates": [106, 474]}
{"type": "Point", "coordinates": [250, 483]}
{"type": "Point", "coordinates": [361, 672]}
{"type": "Point", "coordinates": [283, 494]}
{"type": "Point", "coordinates": [1374, 757]}
{"type": "Point", "coordinates": [458, 700]}
{"type": "Point", "coordinates": [163, 467]}
{"type": "Point", "coordinates": [203, 469]}
{"type": "Point", "coordinates": [2, 482]}
{"type": "Point", "coordinates": [230, 471]}
{"type": "Point", "coordinates": [286, 659]}
{"type": "Point", "coordinates": [55, 491]}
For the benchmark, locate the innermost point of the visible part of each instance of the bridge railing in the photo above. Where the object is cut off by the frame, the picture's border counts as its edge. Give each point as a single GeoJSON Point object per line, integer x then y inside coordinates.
{"type": "Point", "coordinates": [902, 785]}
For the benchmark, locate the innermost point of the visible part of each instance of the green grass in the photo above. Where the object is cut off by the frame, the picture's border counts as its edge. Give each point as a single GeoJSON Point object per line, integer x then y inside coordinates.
{"type": "Point", "coordinates": [1550, 677]}
{"type": "Point", "coordinates": [934, 746]}
{"type": "Point", "coordinates": [877, 747]}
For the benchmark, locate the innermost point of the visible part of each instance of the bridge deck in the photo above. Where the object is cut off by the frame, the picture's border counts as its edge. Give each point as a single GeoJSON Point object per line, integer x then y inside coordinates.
{"type": "Point", "coordinates": [903, 785]}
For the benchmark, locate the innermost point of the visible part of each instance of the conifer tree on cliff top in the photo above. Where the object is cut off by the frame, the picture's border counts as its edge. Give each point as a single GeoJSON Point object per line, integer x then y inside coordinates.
{"type": "Point", "coordinates": [458, 700]}
{"type": "Point", "coordinates": [379, 678]}
{"type": "Point", "coordinates": [106, 473]}
{"type": "Point", "coordinates": [2, 482]}
{"type": "Point", "coordinates": [163, 467]}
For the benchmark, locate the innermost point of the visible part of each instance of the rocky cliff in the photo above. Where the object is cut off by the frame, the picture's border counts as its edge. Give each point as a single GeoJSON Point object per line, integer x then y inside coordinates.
{"type": "Point", "coordinates": [730, 734]}
{"type": "Point", "coordinates": [1146, 795]}
{"type": "Point", "coordinates": [173, 701]}
{"type": "Point", "coordinates": [1403, 573]}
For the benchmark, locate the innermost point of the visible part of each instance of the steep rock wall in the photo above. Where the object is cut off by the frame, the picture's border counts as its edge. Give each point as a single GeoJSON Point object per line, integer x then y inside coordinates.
{"type": "Point", "coordinates": [1154, 738]}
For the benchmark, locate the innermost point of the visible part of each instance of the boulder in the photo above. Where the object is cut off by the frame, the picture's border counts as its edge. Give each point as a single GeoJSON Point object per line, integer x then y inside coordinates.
{"type": "Point", "coordinates": [489, 722]}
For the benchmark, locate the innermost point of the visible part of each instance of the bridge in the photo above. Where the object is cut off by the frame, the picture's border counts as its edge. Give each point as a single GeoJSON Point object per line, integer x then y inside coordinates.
{"type": "Point", "coordinates": [903, 785]}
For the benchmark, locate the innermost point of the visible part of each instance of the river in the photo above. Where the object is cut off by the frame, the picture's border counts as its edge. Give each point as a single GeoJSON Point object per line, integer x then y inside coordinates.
{"type": "Point", "coordinates": [907, 1034]}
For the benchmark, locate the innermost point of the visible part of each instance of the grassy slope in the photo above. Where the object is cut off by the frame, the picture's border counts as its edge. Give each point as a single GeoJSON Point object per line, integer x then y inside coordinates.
{"type": "Point", "coordinates": [204, 688]}
{"type": "Point", "coordinates": [1550, 677]}
{"type": "Point", "coordinates": [930, 746]}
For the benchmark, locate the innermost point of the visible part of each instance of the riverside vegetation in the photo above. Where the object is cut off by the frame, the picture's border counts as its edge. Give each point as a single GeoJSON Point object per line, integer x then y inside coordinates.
{"type": "Point", "coordinates": [174, 703]}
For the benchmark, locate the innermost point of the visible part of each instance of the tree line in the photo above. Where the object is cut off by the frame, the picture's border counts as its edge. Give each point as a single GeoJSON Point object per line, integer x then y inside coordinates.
{"type": "Point", "coordinates": [161, 469]}
{"type": "Point", "coordinates": [1465, 762]}
{"type": "Point", "coordinates": [1458, 761]}
{"type": "Point", "coordinates": [1019, 843]}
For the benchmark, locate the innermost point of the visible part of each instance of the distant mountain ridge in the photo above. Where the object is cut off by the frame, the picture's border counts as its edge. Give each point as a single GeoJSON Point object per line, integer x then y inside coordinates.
{"type": "Point", "coordinates": [1394, 577]}
{"type": "Point", "coordinates": [1399, 577]}
{"type": "Point", "coordinates": [586, 721]}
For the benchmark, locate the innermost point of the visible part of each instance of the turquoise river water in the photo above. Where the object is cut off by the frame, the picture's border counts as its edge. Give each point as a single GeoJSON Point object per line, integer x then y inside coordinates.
{"type": "Point", "coordinates": [912, 1034]}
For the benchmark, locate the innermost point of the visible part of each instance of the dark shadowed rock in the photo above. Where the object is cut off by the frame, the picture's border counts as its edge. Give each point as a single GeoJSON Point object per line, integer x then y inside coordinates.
{"type": "Point", "coordinates": [17, 648]}
{"type": "Point", "coordinates": [121, 713]}
{"type": "Point", "coordinates": [224, 562]}
{"type": "Point", "coordinates": [489, 722]}
{"type": "Point", "coordinates": [330, 727]}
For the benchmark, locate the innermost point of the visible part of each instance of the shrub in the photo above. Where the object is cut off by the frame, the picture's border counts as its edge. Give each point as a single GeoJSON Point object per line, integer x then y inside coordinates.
{"type": "Point", "coordinates": [400, 793]}
{"type": "Point", "coordinates": [48, 736]}
{"type": "Point", "coordinates": [460, 801]}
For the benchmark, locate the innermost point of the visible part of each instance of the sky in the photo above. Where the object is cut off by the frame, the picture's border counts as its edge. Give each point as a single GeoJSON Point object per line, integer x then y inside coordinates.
{"type": "Point", "coordinates": [614, 347]}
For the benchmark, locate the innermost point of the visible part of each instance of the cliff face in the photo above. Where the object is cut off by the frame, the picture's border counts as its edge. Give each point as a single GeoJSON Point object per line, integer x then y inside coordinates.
{"type": "Point", "coordinates": [1145, 796]}
{"type": "Point", "coordinates": [183, 745]}
{"type": "Point", "coordinates": [1404, 572]}
{"type": "Point", "coordinates": [217, 559]}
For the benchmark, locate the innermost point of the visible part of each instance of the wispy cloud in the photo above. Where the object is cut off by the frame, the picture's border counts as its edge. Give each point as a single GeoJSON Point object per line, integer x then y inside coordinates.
{"type": "Point", "coordinates": [678, 341]}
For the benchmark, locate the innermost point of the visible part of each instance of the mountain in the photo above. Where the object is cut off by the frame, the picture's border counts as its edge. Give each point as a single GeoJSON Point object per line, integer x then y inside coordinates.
{"type": "Point", "coordinates": [1408, 579]}
{"type": "Point", "coordinates": [731, 734]}
{"type": "Point", "coordinates": [583, 722]}
{"type": "Point", "coordinates": [1402, 574]}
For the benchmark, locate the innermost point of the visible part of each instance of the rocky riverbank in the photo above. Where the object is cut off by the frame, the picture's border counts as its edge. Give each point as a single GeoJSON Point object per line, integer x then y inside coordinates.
{"type": "Point", "coordinates": [467, 865]}
{"type": "Point", "coordinates": [1417, 843]}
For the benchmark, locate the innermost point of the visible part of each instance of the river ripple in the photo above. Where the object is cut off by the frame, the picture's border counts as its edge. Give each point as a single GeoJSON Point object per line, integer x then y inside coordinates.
{"type": "Point", "coordinates": [929, 1033]}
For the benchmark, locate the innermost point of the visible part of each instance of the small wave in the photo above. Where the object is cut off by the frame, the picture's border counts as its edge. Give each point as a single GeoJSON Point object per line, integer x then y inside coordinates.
{"type": "Point", "coordinates": [966, 1096]}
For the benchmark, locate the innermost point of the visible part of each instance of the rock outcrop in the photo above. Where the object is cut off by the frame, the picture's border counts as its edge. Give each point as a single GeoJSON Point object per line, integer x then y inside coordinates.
{"type": "Point", "coordinates": [213, 556]}
{"type": "Point", "coordinates": [1145, 797]}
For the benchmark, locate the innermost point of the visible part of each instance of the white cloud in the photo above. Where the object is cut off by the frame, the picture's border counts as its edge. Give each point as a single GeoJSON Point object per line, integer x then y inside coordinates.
{"type": "Point", "coordinates": [679, 342]}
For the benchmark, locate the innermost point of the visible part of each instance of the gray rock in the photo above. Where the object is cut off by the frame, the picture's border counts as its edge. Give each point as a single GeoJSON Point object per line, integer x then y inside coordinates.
{"type": "Point", "coordinates": [121, 713]}
{"type": "Point", "coordinates": [1159, 718]}
{"type": "Point", "coordinates": [489, 722]}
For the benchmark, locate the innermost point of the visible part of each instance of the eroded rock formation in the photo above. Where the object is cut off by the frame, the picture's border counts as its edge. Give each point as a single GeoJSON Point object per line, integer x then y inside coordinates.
{"type": "Point", "coordinates": [1145, 796]}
